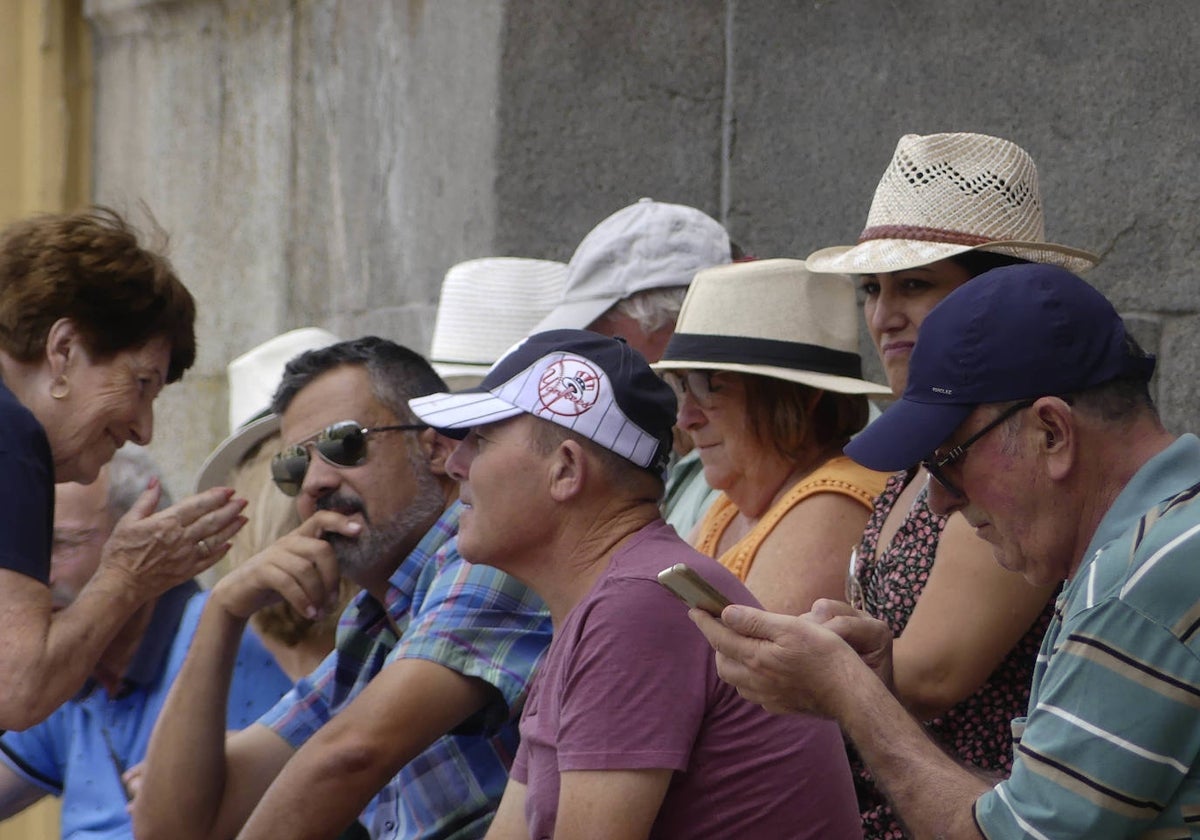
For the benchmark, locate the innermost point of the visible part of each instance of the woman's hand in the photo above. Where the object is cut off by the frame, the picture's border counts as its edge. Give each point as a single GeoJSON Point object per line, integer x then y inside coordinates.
{"type": "Point", "coordinates": [156, 551]}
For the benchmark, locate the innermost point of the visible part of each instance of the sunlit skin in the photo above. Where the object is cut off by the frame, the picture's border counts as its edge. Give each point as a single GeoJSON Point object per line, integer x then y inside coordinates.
{"type": "Point", "coordinates": [373, 493]}
{"type": "Point", "coordinates": [896, 303]}
{"type": "Point", "coordinates": [108, 403]}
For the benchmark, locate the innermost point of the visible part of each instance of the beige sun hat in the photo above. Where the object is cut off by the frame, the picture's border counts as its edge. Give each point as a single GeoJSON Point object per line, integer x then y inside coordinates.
{"type": "Point", "coordinates": [946, 194]}
{"type": "Point", "coordinates": [487, 306]}
{"type": "Point", "coordinates": [253, 378]}
{"type": "Point", "coordinates": [772, 318]}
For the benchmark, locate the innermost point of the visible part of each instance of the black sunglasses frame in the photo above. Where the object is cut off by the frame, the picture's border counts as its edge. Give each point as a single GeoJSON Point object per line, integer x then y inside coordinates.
{"type": "Point", "coordinates": [290, 465]}
{"type": "Point", "coordinates": [936, 467]}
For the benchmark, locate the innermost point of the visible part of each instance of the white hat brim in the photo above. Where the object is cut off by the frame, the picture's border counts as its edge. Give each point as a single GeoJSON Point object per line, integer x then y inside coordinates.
{"type": "Point", "coordinates": [821, 381]}
{"type": "Point", "coordinates": [464, 410]}
{"type": "Point", "coordinates": [879, 256]}
{"type": "Point", "coordinates": [216, 468]}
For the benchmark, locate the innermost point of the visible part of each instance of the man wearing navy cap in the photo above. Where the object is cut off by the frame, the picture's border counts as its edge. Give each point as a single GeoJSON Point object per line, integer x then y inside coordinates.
{"type": "Point", "coordinates": [628, 731]}
{"type": "Point", "coordinates": [1028, 404]}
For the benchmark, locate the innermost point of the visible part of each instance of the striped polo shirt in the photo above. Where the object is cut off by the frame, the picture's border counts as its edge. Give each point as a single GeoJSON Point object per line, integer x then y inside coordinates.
{"type": "Point", "coordinates": [1111, 742]}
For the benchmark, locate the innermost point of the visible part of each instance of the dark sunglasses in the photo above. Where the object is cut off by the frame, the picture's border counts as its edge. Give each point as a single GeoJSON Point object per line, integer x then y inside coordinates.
{"type": "Point", "coordinates": [936, 467]}
{"type": "Point", "coordinates": [698, 383]}
{"type": "Point", "coordinates": [343, 444]}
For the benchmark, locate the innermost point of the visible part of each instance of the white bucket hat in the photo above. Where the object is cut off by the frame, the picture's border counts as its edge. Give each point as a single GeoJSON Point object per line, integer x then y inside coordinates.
{"type": "Point", "coordinates": [647, 245]}
{"type": "Point", "coordinates": [487, 306]}
{"type": "Point", "coordinates": [946, 194]}
{"type": "Point", "coordinates": [772, 318]}
{"type": "Point", "coordinates": [253, 378]}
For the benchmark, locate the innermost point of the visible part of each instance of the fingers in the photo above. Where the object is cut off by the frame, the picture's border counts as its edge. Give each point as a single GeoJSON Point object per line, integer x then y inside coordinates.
{"type": "Point", "coordinates": [298, 569]}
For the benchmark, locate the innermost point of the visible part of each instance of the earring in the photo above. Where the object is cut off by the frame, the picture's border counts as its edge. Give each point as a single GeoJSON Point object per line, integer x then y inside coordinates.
{"type": "Point", "coordinates": [60, 387]}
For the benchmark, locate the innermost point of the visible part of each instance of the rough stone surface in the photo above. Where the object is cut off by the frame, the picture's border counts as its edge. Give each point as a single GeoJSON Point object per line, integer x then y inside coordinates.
{"type": "Point", "coordinates": [325, 162]}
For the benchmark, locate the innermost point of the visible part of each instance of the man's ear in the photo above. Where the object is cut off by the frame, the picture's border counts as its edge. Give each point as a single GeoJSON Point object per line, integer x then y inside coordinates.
{"type": "Point", "coordinates": [437, 448]}
{"type": "Point", "coordinates": [62, 344]}
{"type": "Point", "coordinates": [1059, 435]}
{"type": "Point", "coordinates": [568, 469]}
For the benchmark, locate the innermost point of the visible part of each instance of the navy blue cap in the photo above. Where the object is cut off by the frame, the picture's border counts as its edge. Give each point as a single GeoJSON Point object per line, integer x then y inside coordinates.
{"type": "Point", "coordinates": [1013, 333]}
{"type": "Point", "coordinates": [596, 386]}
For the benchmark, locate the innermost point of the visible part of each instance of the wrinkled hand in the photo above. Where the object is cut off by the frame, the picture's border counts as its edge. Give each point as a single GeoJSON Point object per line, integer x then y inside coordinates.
{"type": "Point", "coordinates": [869, 637]}
{"type": "Point", "coordinates": [299, 568]}
{"type": "Point", "coordinates": [785, 663]}
{"type": "Point", "coordinates": [156, 551]}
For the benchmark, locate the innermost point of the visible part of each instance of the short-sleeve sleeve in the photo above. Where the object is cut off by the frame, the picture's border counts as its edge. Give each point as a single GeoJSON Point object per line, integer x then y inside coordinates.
{"type": "Point", "coordinates": [479, 622]}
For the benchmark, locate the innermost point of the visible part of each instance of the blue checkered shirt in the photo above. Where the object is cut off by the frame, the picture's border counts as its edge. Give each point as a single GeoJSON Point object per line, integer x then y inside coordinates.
{"type": "Point", "coordinates": [473, 619]}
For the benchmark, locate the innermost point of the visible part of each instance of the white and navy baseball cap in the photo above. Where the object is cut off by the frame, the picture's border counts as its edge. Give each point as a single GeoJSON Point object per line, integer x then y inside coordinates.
{"type": "Point", "coordinates": [598, 387]}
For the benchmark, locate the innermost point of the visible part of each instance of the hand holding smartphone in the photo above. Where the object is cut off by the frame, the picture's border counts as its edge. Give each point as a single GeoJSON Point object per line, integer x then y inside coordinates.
{"type": "Point", "coordinates": [693, 590]}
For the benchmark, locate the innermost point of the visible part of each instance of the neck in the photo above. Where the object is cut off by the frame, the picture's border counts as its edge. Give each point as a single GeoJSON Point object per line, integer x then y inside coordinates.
{"type": "Point", "coordinates": [586, 542]}
{"type": "Point", "coordinates": [762, 487]}
{"type": "Point", "coordinates": [114, 662]}
{"type": "Point", "coordinates": [1120, 458]}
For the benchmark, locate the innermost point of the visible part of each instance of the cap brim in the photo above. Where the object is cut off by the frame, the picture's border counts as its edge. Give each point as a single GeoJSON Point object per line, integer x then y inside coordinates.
{"type": "Point", "coordinates": [575, 315]}
{"type": "Point", "coordinates": [822, 381]}
{"type": "Point", "coordinates": [453, 414]}
{"type": "Point", "coordinates": [216, 468]}
{"type": "Point", "coordinates": [905, 433]}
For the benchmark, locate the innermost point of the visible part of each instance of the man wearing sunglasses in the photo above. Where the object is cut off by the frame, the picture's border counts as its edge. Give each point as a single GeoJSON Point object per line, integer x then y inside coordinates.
{"type": "Point", "coordinates": [419, 700]}
{"type": "Point", "coordinates": [1029, 405]}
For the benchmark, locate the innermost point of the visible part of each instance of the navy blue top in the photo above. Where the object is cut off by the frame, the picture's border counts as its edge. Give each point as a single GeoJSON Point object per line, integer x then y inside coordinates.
{"type": "Point", "coordinates": [26, 491]}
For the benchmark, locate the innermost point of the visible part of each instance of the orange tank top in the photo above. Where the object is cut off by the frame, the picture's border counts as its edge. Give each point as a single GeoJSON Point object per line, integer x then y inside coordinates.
{"type": "Point", "coordinates": [837, 475]}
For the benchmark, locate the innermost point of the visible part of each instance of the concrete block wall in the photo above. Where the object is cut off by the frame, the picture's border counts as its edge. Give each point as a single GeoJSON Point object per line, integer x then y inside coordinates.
{"type": "Point", "coordinates": [324, 162]}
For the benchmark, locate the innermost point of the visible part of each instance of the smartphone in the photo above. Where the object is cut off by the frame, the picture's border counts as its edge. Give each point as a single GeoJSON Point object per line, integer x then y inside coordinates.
{"type": "Point", "coordinates": [692, 589]}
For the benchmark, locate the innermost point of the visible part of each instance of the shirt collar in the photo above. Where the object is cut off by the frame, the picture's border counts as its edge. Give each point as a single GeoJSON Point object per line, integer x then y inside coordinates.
{"type": "Point", "coordinates": [1167, 474]}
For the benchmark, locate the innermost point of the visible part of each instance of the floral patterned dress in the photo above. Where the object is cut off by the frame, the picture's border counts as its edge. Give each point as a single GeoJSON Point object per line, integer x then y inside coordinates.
{"type": "Point", "coordinates": [978, 730]}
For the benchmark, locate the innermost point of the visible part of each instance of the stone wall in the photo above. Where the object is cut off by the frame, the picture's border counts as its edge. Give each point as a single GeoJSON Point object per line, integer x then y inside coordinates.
{"type": "Point", "coordinates": [324, 162]}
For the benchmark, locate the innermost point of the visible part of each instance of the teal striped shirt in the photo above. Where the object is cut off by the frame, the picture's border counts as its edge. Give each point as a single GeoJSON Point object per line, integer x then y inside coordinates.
{"type": "Point", "coordinates": [1111, 742]}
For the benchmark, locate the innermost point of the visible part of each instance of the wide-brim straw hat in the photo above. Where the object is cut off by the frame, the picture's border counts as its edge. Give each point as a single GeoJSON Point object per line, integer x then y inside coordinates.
{"type": "Point", "coordinates": [946, 194]}
{"type": "Point", "coordinates": [488, 305]}
{"type": "Point", "coordinates": [253, 378]}
{"type": "Point", "coordinates": [772, 318]}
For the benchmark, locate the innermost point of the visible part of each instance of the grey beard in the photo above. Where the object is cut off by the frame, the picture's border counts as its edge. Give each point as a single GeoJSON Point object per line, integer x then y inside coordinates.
{"type": "Point", "coordinates": [379, 547]}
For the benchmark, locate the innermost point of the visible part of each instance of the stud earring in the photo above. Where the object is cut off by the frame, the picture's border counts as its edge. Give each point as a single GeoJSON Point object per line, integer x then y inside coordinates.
{"type": "Point", "coordinates": [60, 387]}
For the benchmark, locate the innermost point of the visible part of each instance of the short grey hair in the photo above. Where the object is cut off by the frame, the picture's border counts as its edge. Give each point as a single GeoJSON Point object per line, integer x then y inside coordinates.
{"type": "Point", "coordinates": [652, 309]}
{"type": "Point", "coordinates": [129, 473]}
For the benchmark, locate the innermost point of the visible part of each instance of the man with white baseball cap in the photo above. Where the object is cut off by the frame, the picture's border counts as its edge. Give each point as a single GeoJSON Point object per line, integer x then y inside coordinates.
{"type": "Point", "coordinates": [1028, 404]}
{"type": "Point", "coordinates": [628, 278]}
{"type": "Point", "coordinates": [627, 730]}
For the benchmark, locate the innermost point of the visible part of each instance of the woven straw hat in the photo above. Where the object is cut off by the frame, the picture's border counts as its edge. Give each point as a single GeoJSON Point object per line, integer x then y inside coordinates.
{"type": "Point", "coordinates": [772, 318]}
{"type": "Point", "coordinates": [487, 306]}
{"type": "Point", "coordinates": [945, 194]}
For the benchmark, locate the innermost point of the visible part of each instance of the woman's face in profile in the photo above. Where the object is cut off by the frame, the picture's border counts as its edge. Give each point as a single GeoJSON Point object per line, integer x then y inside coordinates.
{"type": "Point", "coordinates": [107, 402]}
{"type": "Point", "coordinates": [896, 303]}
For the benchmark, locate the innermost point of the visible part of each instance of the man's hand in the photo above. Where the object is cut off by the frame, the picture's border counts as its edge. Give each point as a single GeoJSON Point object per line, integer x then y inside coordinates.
{"type": "Point", "coordinates": [299, 568]}
{"type": "Point", "coordinates": [793, 664]}
{"type": "Point", "coordinates": [152, 552]}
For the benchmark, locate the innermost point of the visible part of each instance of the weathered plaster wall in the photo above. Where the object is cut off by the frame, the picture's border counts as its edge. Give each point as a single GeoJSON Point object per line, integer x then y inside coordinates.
{"type": "Point", "coordinates": [325, 162]}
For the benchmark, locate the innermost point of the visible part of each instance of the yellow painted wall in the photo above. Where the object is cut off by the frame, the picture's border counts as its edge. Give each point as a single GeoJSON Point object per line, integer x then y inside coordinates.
{"type": "Point", "coordinates": [45, 155]}
{"type": "Point", "coordinates": [45, 107]}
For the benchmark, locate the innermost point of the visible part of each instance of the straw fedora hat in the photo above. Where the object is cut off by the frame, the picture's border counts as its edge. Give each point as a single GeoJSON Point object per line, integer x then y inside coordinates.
{"type": "Point", "coordinates": [253, 378]}
{"type": "Point", "coordinates": [946, 194]}
{"type": "Point", "coordinates": [772, 318]}
{"type": "Point", "coordinates": [487, 306]}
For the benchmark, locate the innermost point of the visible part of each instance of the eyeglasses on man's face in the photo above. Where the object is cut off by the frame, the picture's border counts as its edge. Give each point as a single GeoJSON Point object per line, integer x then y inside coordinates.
{"type": "Point", "coordinates": [698, 383]}
{"type": "Point", "coordinates": [936, 465]}
{"type": "Point", "coordinates": [343, 444]}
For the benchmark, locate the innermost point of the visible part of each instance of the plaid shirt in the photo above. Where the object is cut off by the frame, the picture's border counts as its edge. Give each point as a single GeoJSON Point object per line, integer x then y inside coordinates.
{"type": "Point", "coordinates": [472, 619]}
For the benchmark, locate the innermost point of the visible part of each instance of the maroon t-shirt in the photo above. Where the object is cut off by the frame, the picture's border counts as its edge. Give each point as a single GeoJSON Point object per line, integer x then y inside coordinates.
{"type": "Point", "coordinates": [629, 683]}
